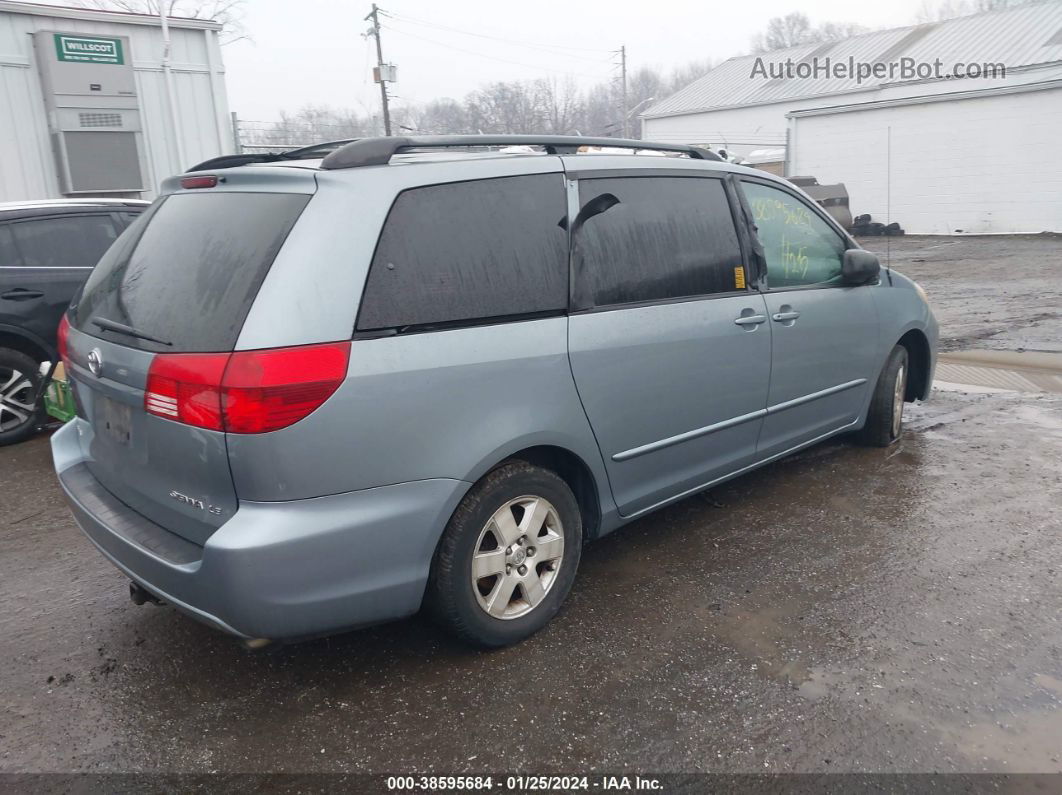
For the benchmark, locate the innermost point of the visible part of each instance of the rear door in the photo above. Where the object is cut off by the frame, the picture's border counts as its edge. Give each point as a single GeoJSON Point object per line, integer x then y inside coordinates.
{"type": "Point", "coordinates": [50, 258]}
{"type": "Point", "coordinates": [180, 280]}
{"type": "Point", "coordinates": [824, 333]}
{"type": "Point", "coordinates": [668, 344]}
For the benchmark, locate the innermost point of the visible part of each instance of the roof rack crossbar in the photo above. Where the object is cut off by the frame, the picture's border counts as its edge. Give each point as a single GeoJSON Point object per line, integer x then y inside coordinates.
{"type": "Point", "coordinates": [379, 151]}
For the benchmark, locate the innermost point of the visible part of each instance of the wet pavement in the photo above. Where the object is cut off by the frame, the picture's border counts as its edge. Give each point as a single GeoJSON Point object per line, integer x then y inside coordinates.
{"type": "Point", "coordinates": [847, 609]}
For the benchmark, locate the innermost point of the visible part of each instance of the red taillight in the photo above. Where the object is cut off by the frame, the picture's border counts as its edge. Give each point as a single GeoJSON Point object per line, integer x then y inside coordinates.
{"type": "Point", "coordinates": [246, 391]}
{"type": "Point", "coordinates": [61, 339]}
{"type": "Point", "coordinates": [199, 182]}
{"type": "Point", "coordinates": [187, 387]}
{"type": "Point", "coordinates": [272, 389]}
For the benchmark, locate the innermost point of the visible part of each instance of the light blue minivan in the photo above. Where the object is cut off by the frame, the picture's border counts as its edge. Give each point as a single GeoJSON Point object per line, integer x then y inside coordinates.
{"type": "Point", "coordinates": [424, 372]}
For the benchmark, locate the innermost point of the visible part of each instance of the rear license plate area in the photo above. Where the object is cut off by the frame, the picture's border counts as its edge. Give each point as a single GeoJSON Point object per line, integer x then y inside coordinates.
{"type": "Point", "coordinates": [114, 420]}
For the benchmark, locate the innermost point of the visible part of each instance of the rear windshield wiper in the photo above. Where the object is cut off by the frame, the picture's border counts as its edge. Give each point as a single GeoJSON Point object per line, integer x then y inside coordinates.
{"type": "Point", "coordinates": [121, 328]}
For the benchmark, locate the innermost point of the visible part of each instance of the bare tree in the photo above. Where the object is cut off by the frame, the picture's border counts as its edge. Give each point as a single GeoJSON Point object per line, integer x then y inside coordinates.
{"type": "Point", "coordinates": [644, 84]}
{"type": "Point", "coordinates": [795, 29]}
{"type": "Point", "coordinates": [782, 32]}
{"type": "Point", "coordinates": [682, 76]}
{"type": "Point", "coordinates": [835, 31]}
{"type": "Point", "coordinates": [229, 13]}
{"type": "Point", "coordinates": [443, 117]}
{"type": "Point", "coordinates": [938, 10]}
{"type": "Point", "coordinates": [310, 124]}
{"type": "Point", "coordinates": [505, 108]}
{"type": "Point", "coordinates": [548, 106]}
{"type": "Point", "coordinates": [598, 115]}
{"type": "Point", "coordinates": [559, 102]}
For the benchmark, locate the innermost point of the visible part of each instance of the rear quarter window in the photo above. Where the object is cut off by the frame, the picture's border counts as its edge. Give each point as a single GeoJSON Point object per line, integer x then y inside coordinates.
{"type": "Point", "coordinates": [470, 251]}
{"type": "Point", "coordinates": [188, 270]}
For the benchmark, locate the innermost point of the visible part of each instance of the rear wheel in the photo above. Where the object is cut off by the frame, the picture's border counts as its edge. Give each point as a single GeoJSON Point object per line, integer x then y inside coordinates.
{"type": "Point", "coordinates": [20, 414]}
{"type": "Point", "coordinates": [885, 416]}
{"type": "Point", "coordinates": [508, 556]}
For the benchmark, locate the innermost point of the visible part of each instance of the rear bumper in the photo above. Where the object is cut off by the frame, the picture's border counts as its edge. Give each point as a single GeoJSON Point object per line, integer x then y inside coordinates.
{"type": "Point", "coordinates": [275, 570]}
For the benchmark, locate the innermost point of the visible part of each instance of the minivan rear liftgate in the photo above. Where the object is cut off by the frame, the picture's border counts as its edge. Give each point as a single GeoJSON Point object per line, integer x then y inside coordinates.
{"type": "Point", "coordinates": [149, 349]}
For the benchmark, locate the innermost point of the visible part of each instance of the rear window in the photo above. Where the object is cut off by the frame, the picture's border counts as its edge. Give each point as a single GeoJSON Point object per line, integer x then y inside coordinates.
{"type": "Point", "coordinates": [470, 251]}
{"type": "Point", "coordinates": [187, 271]}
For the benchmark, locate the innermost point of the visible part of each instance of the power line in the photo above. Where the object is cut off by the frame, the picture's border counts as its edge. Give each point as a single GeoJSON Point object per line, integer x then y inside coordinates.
{"type": "Point", "coordinates": [491, 57]}
{"type": "Point", "coordinates": [520, 42]}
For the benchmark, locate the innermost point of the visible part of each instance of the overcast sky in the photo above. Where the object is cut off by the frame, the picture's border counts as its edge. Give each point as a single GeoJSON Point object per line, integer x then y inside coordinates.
{"type": "Point", "coordinates": [313, 52]}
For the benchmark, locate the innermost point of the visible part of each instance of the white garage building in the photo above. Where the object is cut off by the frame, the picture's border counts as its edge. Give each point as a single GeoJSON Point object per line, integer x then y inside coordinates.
{"type": "Point", "coordinates": [937, 155]}
{"type": "Point", "coordinates": [89, 106]}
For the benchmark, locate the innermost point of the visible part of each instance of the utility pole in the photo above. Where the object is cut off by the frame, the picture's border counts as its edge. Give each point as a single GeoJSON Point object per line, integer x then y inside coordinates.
{"type": "Point", "coordinates": [623, 81]}
{"type": "Point", "coordinates": [237, 145]}
{"type": "Point", "coordinates": [380, 67]}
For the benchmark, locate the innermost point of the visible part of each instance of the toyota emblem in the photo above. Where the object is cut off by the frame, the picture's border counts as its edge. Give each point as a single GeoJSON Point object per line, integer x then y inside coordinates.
{"type": "Point", "coordinates": [95, 362]}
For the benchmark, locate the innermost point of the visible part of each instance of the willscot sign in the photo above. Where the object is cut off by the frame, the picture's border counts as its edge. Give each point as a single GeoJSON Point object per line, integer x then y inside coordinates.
{"type": "Point", "coordinates": [88, 49]}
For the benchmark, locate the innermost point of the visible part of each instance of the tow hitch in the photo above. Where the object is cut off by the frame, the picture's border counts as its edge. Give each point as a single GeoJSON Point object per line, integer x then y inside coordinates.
{"type": "Point", "coordinates": [141, 595]}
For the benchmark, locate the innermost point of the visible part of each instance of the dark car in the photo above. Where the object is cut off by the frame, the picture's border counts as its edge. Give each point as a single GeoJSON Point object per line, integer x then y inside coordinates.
{"type": "Point", "coordinates": [47, 250]}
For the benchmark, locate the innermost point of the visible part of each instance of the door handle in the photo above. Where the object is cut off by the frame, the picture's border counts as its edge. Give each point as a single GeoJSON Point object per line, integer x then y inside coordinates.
{"type": "Point", "coordinates": [781, 317]}
{"type": "Point", "coordinates": [750, 320]}
{"type": "Point", "coordinates": [20, 294]}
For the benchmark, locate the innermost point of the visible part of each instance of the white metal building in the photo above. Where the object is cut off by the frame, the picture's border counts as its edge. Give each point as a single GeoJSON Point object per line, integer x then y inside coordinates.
{"type": "Point", "coordinates": [939, 156]}
{"type": "Point", "coordinates": [88, 107]}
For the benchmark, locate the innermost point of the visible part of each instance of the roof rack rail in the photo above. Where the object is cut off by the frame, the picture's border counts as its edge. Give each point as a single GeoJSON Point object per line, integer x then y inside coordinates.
{"type": "Point", "coordinates": [379, 151]}
{"type": "Point", "coordinates": [255, 158]}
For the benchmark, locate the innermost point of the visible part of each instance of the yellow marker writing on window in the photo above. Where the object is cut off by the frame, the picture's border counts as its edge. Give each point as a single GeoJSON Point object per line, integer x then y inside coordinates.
{"type": "Point", "coordinates": [739, 278]}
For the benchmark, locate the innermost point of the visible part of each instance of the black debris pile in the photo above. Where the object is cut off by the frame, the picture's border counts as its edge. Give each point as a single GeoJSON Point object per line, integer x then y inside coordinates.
{"type": "Point", "coordinates": [864, 225]}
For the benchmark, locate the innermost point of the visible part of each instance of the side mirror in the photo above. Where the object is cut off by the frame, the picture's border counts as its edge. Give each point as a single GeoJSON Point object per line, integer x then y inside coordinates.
{"type": "Point", "coordinates": [859, 266]}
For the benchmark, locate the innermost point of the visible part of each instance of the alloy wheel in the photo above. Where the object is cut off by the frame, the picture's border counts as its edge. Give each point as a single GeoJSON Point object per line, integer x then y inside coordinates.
{"type": "Point", "coordinates": [16, 399]}
{"type": "Point", "coordinates": [899, 391]}
{"type": "Point", "coordinates": [517, 557]}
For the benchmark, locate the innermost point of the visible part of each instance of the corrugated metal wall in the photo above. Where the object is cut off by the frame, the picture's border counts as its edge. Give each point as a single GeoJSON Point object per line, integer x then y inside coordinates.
{"type": "Point", "coordinates": [27, 165]}
{"type": "Point", "coordinates": [982, 165]}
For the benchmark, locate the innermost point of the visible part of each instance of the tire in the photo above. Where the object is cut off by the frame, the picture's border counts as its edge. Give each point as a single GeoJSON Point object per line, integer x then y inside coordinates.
{"type": "Point", "coordinates": [506, 605]}
{"type": "Point", "coordinates": [885, 416]}
{"type": "Point", "coordinates": [19, 381]}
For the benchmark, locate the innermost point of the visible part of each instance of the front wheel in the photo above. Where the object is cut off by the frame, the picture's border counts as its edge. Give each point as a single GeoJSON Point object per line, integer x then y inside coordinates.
{"type": "Point", "coordinates": [885, 416]}
{"type": "Point", "coordinates": [508, 556]}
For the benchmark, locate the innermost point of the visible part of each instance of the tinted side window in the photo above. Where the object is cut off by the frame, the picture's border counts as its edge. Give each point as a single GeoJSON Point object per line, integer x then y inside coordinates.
{"type": "Point", "coordinates": [801, 248]}
{"type": "Point", "coordinates": [470, 250]}
{"type": "Point", "coordinates": [667, 237]}
{"type": "Point", "coordinates": [9, 256]}
{"type": "Point", "coordinates": [73, 241]}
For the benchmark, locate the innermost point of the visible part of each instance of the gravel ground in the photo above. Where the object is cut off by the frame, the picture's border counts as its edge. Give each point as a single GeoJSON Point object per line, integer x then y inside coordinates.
{"type": "Point", "coordinates": [995, 292]}
{"type": "Point", "coordinates": [847, 609]}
